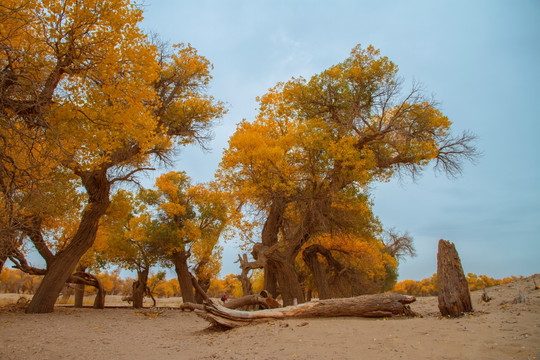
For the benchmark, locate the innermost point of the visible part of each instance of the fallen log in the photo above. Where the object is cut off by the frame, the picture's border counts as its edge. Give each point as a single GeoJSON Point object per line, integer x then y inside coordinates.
{"type": "Point", "coordinates": [379, 305]}
{"type": "Point", "coordinates": [263, 300]}
{"type": "Point", "coordinates": [191, 306]}
{"type": "Point", "coordinates": [255, 299]}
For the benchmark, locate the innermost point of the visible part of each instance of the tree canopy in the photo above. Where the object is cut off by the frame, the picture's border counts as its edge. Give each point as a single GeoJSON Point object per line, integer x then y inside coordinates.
{"type": "Point", "coordinates": [88, 101]}
{"type": "Point", "coordinates": [308, 159]}
{"type": "Point", "coordinates": [86, 95]}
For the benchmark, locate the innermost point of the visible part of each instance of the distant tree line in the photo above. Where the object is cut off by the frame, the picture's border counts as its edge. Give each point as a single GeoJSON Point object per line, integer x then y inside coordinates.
{"type": "Point", "coordinates": [428, 286]}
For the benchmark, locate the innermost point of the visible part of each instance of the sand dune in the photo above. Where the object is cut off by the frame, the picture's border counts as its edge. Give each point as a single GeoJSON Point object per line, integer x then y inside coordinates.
{"type": "Point", "coordinates": [499, 329]}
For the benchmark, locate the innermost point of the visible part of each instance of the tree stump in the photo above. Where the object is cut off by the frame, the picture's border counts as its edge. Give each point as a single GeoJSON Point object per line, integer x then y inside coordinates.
{"type": "Point", "coordinates": [454, 295]}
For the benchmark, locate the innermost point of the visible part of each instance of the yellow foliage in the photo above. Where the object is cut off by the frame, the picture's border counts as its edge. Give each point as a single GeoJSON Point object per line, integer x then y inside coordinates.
{"type": "Point", "coordinates": [230, 286]}
{"type": "Point", "coordinates": [257, 281]}
{"type": "Point", "coordinates": [317, 144]}
{"type": "Point", "coordinates": [86, 91]}
{"type": "Point", "coordinates": [428, 287]}
{"type": "Point", "coordinates": [363, 260]}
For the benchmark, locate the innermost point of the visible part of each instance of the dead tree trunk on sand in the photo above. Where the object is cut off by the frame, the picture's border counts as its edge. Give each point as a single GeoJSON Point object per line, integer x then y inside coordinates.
{"type": "Point", "coordinates": [454, 295]}
{"type": "Point", "coordinates": [263, 300]}
{"type": "Point", "coordinates": [379, 305]}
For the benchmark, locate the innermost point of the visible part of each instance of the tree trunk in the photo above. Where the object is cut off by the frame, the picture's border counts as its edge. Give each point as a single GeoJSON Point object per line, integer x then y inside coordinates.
{"type": "Point", "coordinates": [454, 295]}
{"type": "Point", "coordinates": [139, 288]}
{"type": "Point", "coordinates": [270, 280]}
{"type": "Point", "coordinates": [184, 276]}
{"type": "Point", "coordinates": [79, 295]}
{"type": "Point", "coordinates": [99, 301]}
{"type": "Point", "coordinates": [379, 305]}
{"type": "Point", "coordinates": [3, 259]}
{"type": "Point", "coordinates": [66, 293]}
{"type": "Point", "coordinates": [79, 290]}
{"type": "Point", "coordinates": [269, 237]}
{"type": "Point", "coordinates": [319, 275]}
{"type": "Point", "coordinates": [289, 286]}
{"type": "Point", "coordinates": [65, 261]}
{"type": "Point", "coordinates": [204, 284]}
{"type": "Point", "coordinates": [243, 277]}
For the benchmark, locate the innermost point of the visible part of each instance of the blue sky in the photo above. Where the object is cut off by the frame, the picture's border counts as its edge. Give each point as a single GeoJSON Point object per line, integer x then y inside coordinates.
{"type": "Point", "coordinates": [480, 59]}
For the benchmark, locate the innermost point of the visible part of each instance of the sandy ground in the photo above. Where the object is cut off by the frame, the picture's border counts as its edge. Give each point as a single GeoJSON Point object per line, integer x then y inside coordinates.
{"type": "Point", "coordinates": [500, 329]}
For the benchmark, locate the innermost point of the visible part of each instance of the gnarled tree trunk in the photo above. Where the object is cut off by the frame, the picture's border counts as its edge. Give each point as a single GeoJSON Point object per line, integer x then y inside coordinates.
{"type": "Point", "coordinates": [243, 277]}
{"type": "Point", "coordinates": [379, 305]}
{"type": "Point", "coordinates": [269, 237]}
{"type": "Point", "coordinates": [179, 258]}
{"type": "Point", "coordinates": [454, 295]}
{"type": "Point", "coordinates": [3, 259]}
{"type": "Point", "coordinates": [289, 286]}
{"type": "Point", "coordinates": [204, 284]}
{"type": "Point", "coordinates": [139, 288]}
{"type": "Point", "coordinates": [79, 295]}
{"type": "Point", "coordinates": [84, 278]}
{"type": "Point", "coordinates": [63, 264]}
{"type": "Point", "coordinates": [79, 290]}
{"type": "Point", "coordinates": [99, 301]}
{"type": "Point", "coordinates": [319, 275]}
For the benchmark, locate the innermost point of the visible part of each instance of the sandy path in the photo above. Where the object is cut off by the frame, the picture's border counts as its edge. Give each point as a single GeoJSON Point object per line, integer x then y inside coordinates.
{"type": "Point", "coordinates": [499, 329]}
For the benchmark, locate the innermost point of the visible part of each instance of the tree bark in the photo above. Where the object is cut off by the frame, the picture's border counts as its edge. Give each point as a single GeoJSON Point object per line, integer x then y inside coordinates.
{"type": "Point", "coordinates": [270, 279]}
{"type": "Point", "coordinates": [254, 299]}
{"type": "Point", "coordinates": [269, 237]}
{"type": "Point", "coordinates": [319, 275]}
{"type": "Point", "coordinates": [243, 277]}
{"type": "Point", "coordinates": [82, 278]}
{"type": "Point", "coordinates": [179, 258]}
{"type": "Point", "coordinates": [454, 296]}
{"type": "Point", "coordinates": [204, 285]}
{"type": "Point", "coordinates": [289, 286]}
{"type": "Point", "coordinates": [3, 259]}
{"type": "Point", "coordinates": [139, 288]}
{"type": "Point", "coordinates": [99, 301]}
{"type": "Point", "coordinates": [79, 295]}
{"type": "Point", "coordinates": [98, 188]}
{"type": "Point", "coordinates": [379, 305]}
{"type": "Point", "coordinates": [79, 290]}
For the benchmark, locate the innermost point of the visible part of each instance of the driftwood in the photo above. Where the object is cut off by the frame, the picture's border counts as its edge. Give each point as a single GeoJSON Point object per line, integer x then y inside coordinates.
{"type": "Point", "coordinates": [191, 306]}
{"type": "Point", "coordinates": [262, 300]}
{"type": "Point", "coordinates": [379, 305]}
{"type": "Point", "coordinates": [256, 299]}
{"type": "Point", "coordinates": [454, 296]}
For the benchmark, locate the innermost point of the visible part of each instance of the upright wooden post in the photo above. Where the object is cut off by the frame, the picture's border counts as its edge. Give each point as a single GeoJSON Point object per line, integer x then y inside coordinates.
{"type": "Point", "coordinates": [454, 295]}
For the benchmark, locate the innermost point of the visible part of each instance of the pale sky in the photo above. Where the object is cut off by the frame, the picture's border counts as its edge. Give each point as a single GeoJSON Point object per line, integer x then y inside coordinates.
{"type": "Point", "coordinates": [480, 59]}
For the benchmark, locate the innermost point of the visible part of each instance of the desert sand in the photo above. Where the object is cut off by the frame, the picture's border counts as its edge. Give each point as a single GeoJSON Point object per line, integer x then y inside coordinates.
{"type": "Point", "coordinates": [502, 328]}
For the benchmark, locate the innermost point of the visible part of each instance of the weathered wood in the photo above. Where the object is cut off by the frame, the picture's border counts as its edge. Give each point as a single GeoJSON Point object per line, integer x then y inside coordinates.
{"type": "Point", "coordinates": [191, 306]}
{"type": "Point", "coordinates": [198, 288]}
{"type": "Point", "coordinates": [255, 299]}
{"type": "Point", "coordinates": [454, 296]}
{"type": "Point", "coordinates": [379, 305]}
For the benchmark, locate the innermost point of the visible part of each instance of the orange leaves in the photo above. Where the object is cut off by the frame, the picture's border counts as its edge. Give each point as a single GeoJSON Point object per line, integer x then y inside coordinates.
{"type": "Point", "coordinates": [359, 254]}
{"type": "Point", "coordinates": [116, 100]}
{"type": "Point", "coordinates": [192, 218]}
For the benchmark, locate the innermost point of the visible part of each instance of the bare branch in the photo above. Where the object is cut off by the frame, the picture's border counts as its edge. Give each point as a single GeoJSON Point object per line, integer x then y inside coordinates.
{"type": "Point", "coordinates": [454, 150]}
{"type": "Point", "coordinates": [398, 245]}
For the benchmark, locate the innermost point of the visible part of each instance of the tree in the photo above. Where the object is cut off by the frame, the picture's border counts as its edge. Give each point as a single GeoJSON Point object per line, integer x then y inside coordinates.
{"type": "Point", "coordinates": [131, 240]}
{"type": "Point", "coordinates": [306, 162]}
{"type": "Point", "coordinates": [192, 219]}
{"type": "Point", "coordinates": [345, 265]}
{"type": "Point", "coordinates": [82, 82]}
